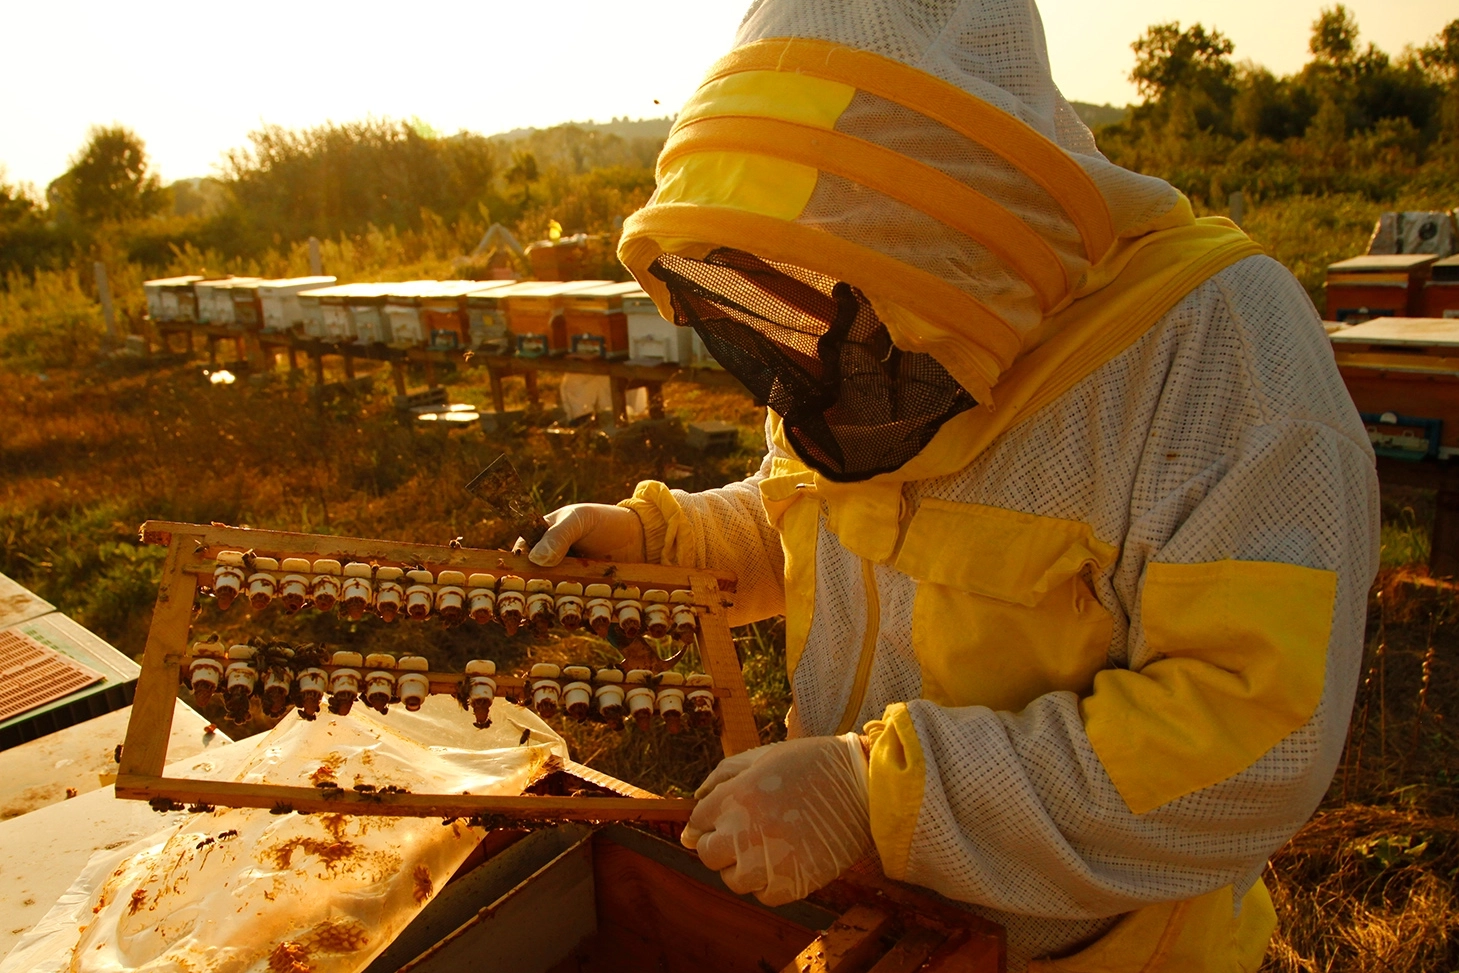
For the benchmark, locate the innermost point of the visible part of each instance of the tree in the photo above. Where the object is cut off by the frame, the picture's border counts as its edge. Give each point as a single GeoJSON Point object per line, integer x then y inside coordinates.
{"type": "Point", "coordinates": [1442, 56]}
{"type": "Point", "coordinates": [110, 180]}
{"type": "Point", "coordinates": [1186, 77]}
{"type": "Point", "coordinates": [1334, 38]}
{"type": "Point", "coordinates": [1168, 59]}
{"type": "Point", "coordinates": [523, 173]}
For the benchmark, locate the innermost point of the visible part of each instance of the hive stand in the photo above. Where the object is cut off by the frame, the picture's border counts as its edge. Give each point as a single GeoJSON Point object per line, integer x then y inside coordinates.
{"type": "Point", "coordinates": [189, 564]}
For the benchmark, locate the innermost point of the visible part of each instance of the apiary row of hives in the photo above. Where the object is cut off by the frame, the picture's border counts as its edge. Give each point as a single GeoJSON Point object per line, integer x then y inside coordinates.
{"type": "Point", "coordinates": [533, 319]}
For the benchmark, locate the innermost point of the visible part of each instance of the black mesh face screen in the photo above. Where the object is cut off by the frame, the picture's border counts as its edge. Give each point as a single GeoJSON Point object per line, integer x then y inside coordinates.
{"type": "Point", "coordinates": [854, 405]}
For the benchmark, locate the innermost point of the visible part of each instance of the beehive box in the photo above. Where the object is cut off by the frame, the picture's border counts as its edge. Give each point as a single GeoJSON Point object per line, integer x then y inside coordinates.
{"type": "Point", "coordinates": [279, 301]}
{"type": "Point", "coordinates": [215, 303]}
{"type": "Point", "coordinates": [247, 311]}
{"type": "Point", "coordinates": [399, 314]}
{"type": "Point", "coordinates": [1441, 291]}
{"type": "Point", "coordinates": [370, 323]}
{"type": "Point", "coordinates": [596, 324]}
{"type": "Point", "coordinates": [574, 898]}
{"type": "Point", "coordinates": [486, 317]}
{"type": "Point", "coordinates": [333, 321]}
{"type": "Point", "coordinates": [1403, 375]}
{"type": "Point", "coordinates": [651, 338]}
{"type": "Point", "coordinates": [535, 315]}
{"type": "Point", "coordinates": [162, 296]}
{"type": "Point", "coordinates": [311, 312]}
{"type": "Point", "coordinates": [444, 318]}
{"type": "Point", "coordinates": [1377, 286]}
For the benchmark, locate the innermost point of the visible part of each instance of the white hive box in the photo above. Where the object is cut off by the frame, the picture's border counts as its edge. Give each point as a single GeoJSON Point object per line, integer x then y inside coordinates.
{"type": "Point", "coordinates": [333, 311]}
{"type": "Point", "coordinates": [311, 311]}
{"type": "Point", "coordinates": [162, 296]}
{"type": "Point", "coordinates": [399, 312]}
{"type": "Point", "coordinates": [487, 317]}
{"type": "Point", "coordinates": [280, 300]}
{"type": "Point", "coordinates": [650, 337]}
{"type": "Point", "coordinates": [215, 303]}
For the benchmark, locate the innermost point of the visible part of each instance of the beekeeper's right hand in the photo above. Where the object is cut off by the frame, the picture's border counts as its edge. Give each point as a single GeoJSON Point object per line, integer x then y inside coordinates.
{"type": "Point", "coordinates": [594, 530]}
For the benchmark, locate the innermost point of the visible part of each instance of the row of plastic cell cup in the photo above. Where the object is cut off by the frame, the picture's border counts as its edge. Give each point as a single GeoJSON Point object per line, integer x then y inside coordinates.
{"type": "Point", "coordinates": [391, 591]}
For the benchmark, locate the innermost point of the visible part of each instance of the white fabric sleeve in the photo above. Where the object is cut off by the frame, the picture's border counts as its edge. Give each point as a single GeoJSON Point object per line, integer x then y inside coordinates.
{"type": "Point", "coordinates": [724, 529]}
{"type": "Point", "coordinates": [1018, 813]}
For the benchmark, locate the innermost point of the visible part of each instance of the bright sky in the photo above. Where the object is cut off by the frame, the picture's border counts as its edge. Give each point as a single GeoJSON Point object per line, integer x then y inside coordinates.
{"type": "Point", "coordinates": [193, 78]}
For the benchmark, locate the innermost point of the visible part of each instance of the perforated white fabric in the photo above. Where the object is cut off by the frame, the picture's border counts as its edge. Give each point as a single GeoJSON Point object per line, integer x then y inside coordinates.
{"type": "Point", "coordinates": [1224, 432]}
{"type": "Point", "coordinates": [995, 51]}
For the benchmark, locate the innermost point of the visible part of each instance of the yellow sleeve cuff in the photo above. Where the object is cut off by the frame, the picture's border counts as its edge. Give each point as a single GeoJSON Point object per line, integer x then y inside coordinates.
{"type": "Point", "coordinates": [666, 537]}
{"type": "Point", "coordinates": [896, 779]}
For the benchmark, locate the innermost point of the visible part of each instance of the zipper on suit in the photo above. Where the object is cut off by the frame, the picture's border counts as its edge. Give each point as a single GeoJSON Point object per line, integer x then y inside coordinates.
{"type": "Point", "coordinates": [868, 649]}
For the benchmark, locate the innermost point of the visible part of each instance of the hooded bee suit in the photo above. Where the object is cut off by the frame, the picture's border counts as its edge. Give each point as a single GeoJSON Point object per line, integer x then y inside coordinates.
{"type": "Point", "coordinates": [1065, 502]}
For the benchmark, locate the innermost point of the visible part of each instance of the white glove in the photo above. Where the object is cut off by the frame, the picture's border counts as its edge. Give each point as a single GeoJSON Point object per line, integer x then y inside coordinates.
{"type": "Point", "coordinates": [784, 819]}
{"type": "Point", "coordinates": [594, 530]}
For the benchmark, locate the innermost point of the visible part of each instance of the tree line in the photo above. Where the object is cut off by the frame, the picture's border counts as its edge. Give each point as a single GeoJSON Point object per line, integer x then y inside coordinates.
{"type": "Point", "coordinates": [331, 181]}
{"type": "Point", "coordinates": [1353, 120]}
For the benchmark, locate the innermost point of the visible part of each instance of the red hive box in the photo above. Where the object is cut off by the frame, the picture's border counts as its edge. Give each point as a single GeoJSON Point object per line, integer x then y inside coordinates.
{"type": "Point", "coordinates": [1377, 286]}
{"type": "Point", "coordinates": [596, 324]}
{"type": "Point", "coordinates": [1403, 374]}
{"type": "Point", "coordinates": [535, 315]}
{"type": "Point", "coordinates": [1441, 292]}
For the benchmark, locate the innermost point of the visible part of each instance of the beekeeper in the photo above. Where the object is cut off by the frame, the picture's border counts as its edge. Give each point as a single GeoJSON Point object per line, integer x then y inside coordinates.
{"type": "Point", "coordinates": [1068, 512]}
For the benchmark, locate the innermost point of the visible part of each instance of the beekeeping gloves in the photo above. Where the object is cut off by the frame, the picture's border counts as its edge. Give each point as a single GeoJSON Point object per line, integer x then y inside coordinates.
{"type": "Point", "coordinates": [782, 821]}
{"type": "Point", "coordinates": [594, 530]}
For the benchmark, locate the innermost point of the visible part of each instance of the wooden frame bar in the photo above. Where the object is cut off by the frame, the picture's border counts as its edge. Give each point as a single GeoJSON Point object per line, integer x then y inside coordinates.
{"type": "Point", "coordinates": [189, 565]}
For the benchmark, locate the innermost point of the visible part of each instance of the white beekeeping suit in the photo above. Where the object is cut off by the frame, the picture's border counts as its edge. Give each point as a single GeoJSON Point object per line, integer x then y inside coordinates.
{"type": "Point", "coordinates": [1067, 508]}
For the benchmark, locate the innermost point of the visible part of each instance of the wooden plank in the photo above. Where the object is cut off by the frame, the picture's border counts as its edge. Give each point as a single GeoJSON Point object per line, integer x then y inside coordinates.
{"type": "Point", "coordinates": [847, 946]}
{"type": "Point", "coordinates": [717, 652]}
{"type": "Point", "coordinates": [204, 541]}
{"type": "Point", "coordinates": [145, 751]}
{"type": "Point", "coordinates": [910, 952]}
{"type": "Point", "coordinates": [311, 800]}
{"type": "Point", "coordinates": [666, 921]}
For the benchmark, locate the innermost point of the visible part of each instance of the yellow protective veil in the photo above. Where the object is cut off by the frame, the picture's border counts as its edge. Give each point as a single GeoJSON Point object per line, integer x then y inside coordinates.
{"type": "Point", "coordinates": [919, 151]}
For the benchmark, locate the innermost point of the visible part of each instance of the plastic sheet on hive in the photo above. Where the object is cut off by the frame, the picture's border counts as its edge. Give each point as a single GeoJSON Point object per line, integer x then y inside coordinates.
{"type": "Point", "coordinates": [244, 890]}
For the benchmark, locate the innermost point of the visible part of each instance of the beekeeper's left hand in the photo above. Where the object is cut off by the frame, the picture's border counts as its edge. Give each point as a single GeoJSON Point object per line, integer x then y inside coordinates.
{"type": "Point", "coordinates": [788, 820]}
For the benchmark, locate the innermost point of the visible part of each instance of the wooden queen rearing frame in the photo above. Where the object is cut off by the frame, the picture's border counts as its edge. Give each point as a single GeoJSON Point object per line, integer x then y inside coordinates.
{"type": "Point", "coordinates": [190, 565]}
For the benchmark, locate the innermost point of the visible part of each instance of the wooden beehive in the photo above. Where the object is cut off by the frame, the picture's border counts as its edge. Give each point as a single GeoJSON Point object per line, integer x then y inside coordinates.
{"type": "Point", "coordinates": [1376, 286]}
{"type": "Point", "coordinates": [247, 311]}
{"type": "Point", "coordinates": [333, 322]}
{"type": "Point", "coordinates": [443, 314]}
{"type": "Point", "coordinates": [370, 321]}
{"type": "Point", "coordinates": [573, 899]}
{"type": "Point", "coordinates": [1441, 291]}
{"type": "Point", "coordinates": [215, 302]}
{"type": "Point", "coordinates": [651, 338]}
{"type": "Point", "coordinates": [162, 296]}
{"type": "Point", "coordinates": [399, 315]}
{"type": "Point", "coordinates": [535, 315]}
{"type": "Point", "coordinates": [486, 317]}
{"type": "Point", "coordinates": [596, 324]}
{"type": "Point", "coordinates": [1403, 375]}
{"type": "Point", "coordinates": [279, 301]}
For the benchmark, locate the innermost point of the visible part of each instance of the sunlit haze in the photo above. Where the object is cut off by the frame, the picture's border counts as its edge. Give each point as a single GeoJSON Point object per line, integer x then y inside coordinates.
{"type": "Point", "coordinates": [192, 79]}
